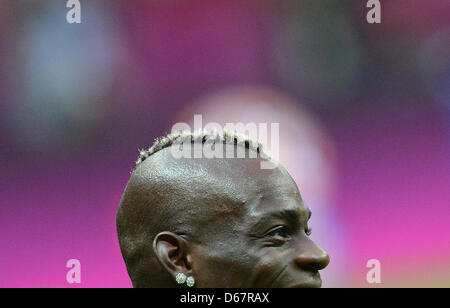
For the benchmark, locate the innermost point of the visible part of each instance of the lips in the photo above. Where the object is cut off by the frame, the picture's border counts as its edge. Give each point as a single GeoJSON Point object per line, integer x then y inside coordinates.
{"type": "Point", "coordinates": [310, 285]}
{"type": "Point", "coordinates": [309, 280]}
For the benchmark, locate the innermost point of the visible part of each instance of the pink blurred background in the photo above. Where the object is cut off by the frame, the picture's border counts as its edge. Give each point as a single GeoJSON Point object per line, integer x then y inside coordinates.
{"type": "Point", "coordinates": [369, 102]}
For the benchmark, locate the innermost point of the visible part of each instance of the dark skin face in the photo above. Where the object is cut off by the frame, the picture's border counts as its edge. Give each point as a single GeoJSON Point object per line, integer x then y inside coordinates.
{"type": "Point", "coordinates": [258, 236]}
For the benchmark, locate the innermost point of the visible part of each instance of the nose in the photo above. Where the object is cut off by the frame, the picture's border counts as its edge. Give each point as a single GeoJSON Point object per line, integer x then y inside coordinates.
{"type": "Point", "coordinates": [312, 258]}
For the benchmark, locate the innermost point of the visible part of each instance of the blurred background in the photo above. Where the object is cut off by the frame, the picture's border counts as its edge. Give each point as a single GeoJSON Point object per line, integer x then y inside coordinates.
{"type": "Point", "coordinates": [368, 106]}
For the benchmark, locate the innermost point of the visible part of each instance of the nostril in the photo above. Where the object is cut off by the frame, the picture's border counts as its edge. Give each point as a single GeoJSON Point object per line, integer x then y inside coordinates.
{"type": "Point", "coordinates": [313, 262]}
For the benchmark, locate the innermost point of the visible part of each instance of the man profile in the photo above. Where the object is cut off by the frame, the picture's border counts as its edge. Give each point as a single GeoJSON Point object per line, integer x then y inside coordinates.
{"type": "Point", "coordinates": [215, 222]}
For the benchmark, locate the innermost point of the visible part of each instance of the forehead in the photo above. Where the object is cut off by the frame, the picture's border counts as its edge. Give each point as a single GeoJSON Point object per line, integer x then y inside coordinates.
{"type": "Point", "coordinates": [260, 189]}
{"type": "Point", "coordinates": [278, 201]}
{"type": "Point", "coordinates": [276, 191]}
{"type": "Point", "coordinates": [262, 193]}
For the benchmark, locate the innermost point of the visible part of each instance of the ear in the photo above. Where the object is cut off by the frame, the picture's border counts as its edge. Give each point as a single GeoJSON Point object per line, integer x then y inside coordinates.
{"type": "Point", "coordinates": [172, 252]}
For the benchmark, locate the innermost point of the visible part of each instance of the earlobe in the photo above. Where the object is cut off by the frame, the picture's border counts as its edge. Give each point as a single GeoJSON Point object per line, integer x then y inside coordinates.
{"type": "Point", "coordinates": [172, 252]}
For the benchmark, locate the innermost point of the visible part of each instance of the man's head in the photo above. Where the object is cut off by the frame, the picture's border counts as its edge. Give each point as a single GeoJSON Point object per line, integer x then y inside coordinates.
{"type": "Point", "coordinates": [224, 221]}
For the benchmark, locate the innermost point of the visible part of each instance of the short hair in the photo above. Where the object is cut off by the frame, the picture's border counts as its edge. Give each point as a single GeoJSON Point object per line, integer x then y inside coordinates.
{"type": "Point", "coordinates": [202, 136]}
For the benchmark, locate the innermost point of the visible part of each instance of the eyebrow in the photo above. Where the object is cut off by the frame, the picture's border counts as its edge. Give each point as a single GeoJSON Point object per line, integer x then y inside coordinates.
{"type": "Point", "coordinates": [290, 215]}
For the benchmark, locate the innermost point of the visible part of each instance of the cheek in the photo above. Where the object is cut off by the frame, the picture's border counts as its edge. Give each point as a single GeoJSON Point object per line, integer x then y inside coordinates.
{"type": "Point", "coordinates": [225, 264]}
{"type": "Point", "coordinates": [271, 263]}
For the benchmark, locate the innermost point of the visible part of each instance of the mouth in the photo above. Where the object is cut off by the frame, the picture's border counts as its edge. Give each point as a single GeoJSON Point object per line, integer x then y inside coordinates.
{"type": "Point", "coordinates": [308, 279]}
{"type": "Point", "coordinates": [312, 281]}
{"type": "Point", "coordinates": [309, 285]}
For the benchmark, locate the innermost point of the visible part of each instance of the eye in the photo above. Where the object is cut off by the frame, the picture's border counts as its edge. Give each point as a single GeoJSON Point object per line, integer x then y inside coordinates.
{"type": "Point", "coordinates": [308, 231]}
{"type": "Point", "coordinates": [279, 231]}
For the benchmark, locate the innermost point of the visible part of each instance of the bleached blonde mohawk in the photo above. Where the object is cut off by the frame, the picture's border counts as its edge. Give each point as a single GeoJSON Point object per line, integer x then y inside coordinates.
{"type": "Point", "coordinates": [199, 136]}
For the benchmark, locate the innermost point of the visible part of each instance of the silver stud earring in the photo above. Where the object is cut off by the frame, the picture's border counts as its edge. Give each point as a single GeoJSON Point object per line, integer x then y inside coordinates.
{"type": "Point", "coordinates": [190, 281]}
{"type": "Point", "coordinates": [180, 278]}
